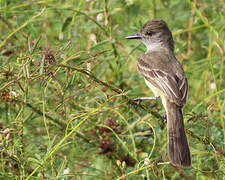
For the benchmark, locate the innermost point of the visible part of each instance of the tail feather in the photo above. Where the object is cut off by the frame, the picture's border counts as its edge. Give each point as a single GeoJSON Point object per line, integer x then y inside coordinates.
{"type": "Point", "coordinates": [178, 149]}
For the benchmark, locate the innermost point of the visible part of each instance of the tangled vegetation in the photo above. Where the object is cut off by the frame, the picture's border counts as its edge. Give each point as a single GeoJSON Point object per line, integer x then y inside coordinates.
{"type": "Point", "coordinates": [68, 78]}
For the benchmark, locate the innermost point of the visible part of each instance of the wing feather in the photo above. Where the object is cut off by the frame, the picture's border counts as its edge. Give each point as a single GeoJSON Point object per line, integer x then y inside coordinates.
{"type": "Point", "coordinates": [175, 88]}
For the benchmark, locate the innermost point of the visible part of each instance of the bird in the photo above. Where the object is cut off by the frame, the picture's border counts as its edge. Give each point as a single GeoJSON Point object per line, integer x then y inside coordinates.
{"type": "Point", "coordinates": [164, 75]}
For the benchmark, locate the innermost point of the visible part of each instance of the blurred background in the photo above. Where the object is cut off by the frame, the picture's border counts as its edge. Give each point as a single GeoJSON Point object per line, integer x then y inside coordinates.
{"type": "Point", "coordinates": [68, 77]}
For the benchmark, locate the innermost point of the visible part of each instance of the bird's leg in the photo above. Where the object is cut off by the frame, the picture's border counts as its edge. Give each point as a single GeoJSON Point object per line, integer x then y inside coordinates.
{"type": "Point", "coordinates": [146, 98]}
{"type": "Point", "coordinates": [139, 100]}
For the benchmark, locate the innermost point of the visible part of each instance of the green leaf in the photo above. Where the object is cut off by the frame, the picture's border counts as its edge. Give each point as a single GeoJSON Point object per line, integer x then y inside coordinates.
{"type": "Point", "coordinates": [66, 23]}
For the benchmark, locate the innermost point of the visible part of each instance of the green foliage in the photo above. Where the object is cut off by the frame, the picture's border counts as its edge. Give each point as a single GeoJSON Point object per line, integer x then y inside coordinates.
{"type": "Point", "coordinates": [68, 77]}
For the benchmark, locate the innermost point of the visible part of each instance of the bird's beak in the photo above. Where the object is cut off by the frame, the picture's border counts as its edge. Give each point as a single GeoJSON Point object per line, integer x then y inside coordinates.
{"type": "Point", "coordinates": [134, 36]}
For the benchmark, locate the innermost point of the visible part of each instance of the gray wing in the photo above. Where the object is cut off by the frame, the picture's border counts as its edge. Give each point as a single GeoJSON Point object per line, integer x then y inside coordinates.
{"type": "Point", "coordinates": [166, 78]}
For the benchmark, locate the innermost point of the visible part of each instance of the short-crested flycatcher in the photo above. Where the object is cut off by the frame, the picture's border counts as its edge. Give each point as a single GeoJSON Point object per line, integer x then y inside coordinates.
{"type": "Point", "coordinates": [165, 76]}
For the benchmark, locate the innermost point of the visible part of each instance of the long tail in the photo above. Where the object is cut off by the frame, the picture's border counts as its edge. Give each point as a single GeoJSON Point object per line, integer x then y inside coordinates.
{"type": "Point", "coordinates": [179, 152]}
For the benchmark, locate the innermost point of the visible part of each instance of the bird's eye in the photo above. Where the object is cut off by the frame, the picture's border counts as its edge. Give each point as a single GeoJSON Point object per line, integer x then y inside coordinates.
{"type": "Point", "coordinates": [149, 33]}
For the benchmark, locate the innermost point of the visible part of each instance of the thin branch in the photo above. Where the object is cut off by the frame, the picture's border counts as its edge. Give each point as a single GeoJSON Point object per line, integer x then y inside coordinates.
{"type": "Point", "coordinates": [117, 90]}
